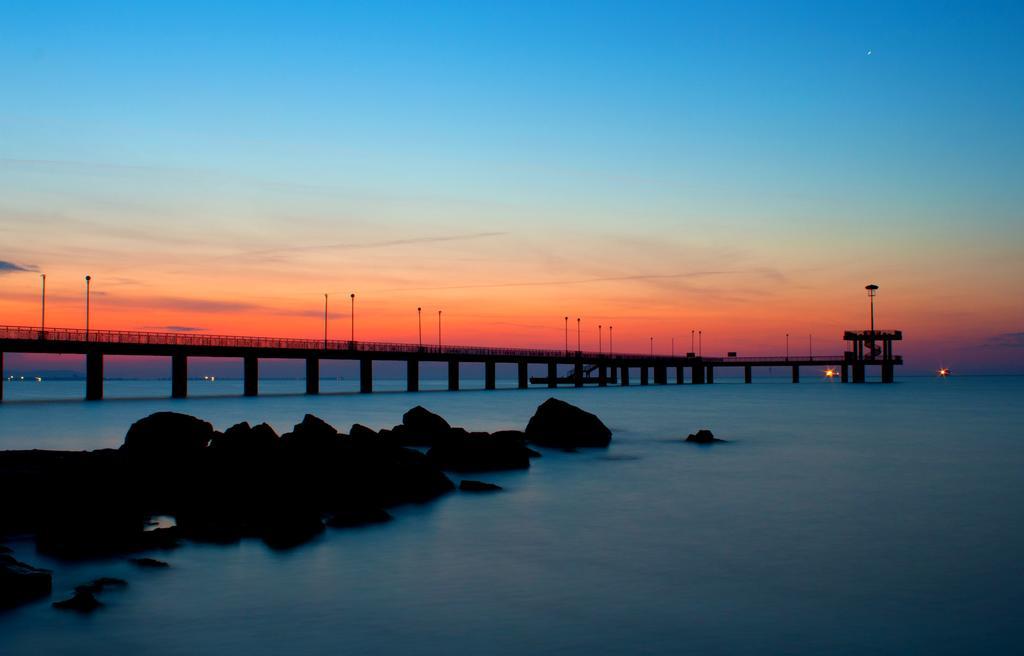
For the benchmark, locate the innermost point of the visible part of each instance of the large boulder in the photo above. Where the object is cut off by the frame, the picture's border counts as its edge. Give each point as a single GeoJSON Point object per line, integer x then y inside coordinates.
{"type": "Point", "coordinates": [420, 427]}
{"type": "Point", "coordinates": [467, 452]}
{"type": "Point", "coordinates": [168, 435]}
{"type": "Point", "coordinates": [563, 425]}
{"type": "Point", "coordinates": [20, 583]}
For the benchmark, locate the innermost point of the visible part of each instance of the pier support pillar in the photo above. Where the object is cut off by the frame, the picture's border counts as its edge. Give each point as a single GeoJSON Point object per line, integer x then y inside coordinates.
{"type": "Point", "coordinates": [412, 375]}
{"type": "Point", "coordinates": [844, 374]}
{"type": "Point", "coordinates": [453, 375]}
{"type": "Point", "coordinates": [796, 373]}
{"type": "Point", "coordinates": [858, 372]}
{"type": "Point", "coordinates": [602, 376]}
{"type": "Point", "coordinates": [489, 375]}
{"type": "Point", "coordinates": [524, 375]}
{"type": "Point", "coordinates": [251, 375]}
{"type": "Point", "coordinates": [711, 374]}
{"type": "Point", "coordinates": [93, 376]}
{"type": "Point", "coordinates": [643, 375]}
{"type": "Point", "coordinates": [552, 374]}
{"type": "Point", "coordinates": [748, 374]}
{"type": "Point", "coordinates": [312, 375]}
{"type": "Point", "coordinates": [614, 377]}
{"type": "Point", "coordinates": [697, 374]}
{"type": "Point", "coordinates": [365, 376]}
{"type": "Point", "coordinates": [179, 376]}
{"type": "Point", "coordinates": [679, 375]}
{"type": "Point", "coordinates": [577, 375]}
{"type": "Point", "coordinates": [625, 376]}
{"type": "Point", "coordinates": [660, 374]}
{"type": "Point", "coordinates": [887, 372]}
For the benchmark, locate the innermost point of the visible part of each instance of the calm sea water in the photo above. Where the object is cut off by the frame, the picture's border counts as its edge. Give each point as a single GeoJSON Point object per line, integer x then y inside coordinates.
{"type": "Point", "coordinates": [839, 519]}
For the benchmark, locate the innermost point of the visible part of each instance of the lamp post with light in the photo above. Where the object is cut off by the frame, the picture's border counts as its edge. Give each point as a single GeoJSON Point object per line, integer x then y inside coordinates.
{"type": "Point", "coordinates": [42, 320]}
{"type": "Point", "coordinates": [88, 280]}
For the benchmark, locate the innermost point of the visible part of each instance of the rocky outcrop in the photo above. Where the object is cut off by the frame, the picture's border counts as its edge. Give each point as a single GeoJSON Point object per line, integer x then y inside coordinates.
{"type": "Point", "coordinates": [703, 436]}
{"type": "Point", "coordinates": [21, 583]}
{"type": "Point", "coordinates": [478, 486]}
{"type": "Point", "coordinates": [563, 425]}
{"type": "Point", "coordinates": [419, 427]}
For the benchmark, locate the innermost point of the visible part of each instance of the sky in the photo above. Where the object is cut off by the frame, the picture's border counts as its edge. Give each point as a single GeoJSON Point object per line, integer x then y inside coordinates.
{"type": "Point", "coordinates": [741, 169]}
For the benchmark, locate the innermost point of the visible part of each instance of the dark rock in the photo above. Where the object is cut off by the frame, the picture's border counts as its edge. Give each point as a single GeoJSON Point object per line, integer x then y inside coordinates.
{"type": "Point", "coordinates": [312, 437]}
{"type": "Point", "coordinates": [167, 434]}
{"type": "Point", "coordinates": [420, 427]}
{"type": "Point", "coordinates": [20, 583]}
{"type": "Point", "coordinates": [516, 435]}
{"type": "Point", "coordinates": [478, 486]}
{"type": "Point", "coordinates": [359, 431]}
{"type": "Point", "coordinates": [703, 436]}
{"type": "Point", "coordinates": [83, 601]}
{"type": "Point", "coordinates": [358, 517]}
{"type": "Point", "coordinates": [149, 563]}
{"type": "Point", "coordinates": [97, 586]}
{"type": "Point", "coordinates": [562, 425]}
{"type": "Point", "coordinates": [466, 452]}
{"type": "Point", "coordinates": [244, 438]}
{"type": "Point", "coordinates": [5, 549]}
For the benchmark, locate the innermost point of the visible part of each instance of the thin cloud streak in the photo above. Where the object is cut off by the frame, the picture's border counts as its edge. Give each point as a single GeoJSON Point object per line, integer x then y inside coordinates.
{"type": "Point", "coordinates": [767, 273]}
{"type": "Point", "coordinates": [11, 267]}
{"type": "Point", "coordinates": [375, 244]}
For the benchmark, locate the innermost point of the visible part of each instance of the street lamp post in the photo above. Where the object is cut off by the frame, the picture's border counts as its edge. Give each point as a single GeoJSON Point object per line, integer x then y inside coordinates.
{"type": "Point", "coordinates": [438, 329]}
{"type": "Point", "coordinates": [787, 346]}
{"type": "Point", "coordinates": [600, 346]}
{"type": "Point", "coordinates": [419, 322]}
{"type": "Point", "coordinates": [578, 350]}
{"type": "Point", "coordinates": [352, 317]}
{"type": "Point", "coordinates": [610, 340]}
{"type": "Point", "coordinates": [88, 280]}
{"type": "Point", "coordinates": [691, 342]}
{"type": "Point", "coordinates": [42, 320]}
{"type": "Point", "coordinates": [652, 346]}
{"type": "Point", "coordinates": [810, 346]}
{"type": "Point", "coordinates": [325, 322]}
{"type": "Point", "coordinates": [673, 347]}
{"type": "Point", "coordinates": [567, 335]}
{"type": "Point", "coordinates": [700, 343]}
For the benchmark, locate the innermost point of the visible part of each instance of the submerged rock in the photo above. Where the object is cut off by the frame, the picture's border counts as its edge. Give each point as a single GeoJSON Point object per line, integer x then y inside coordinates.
{"type": "Point", "coordinates": [149, 563]}
{"type": "Point", "coordinates": [703, 436]}
{"type": "Point", "coordinates": [83, 601]}
{"type": "Point", "coordinates": [478, 486]}
{"type": "Point", "coordinates": [97, 586]}
{"type": "Point", "coordinates": [563, 425]}
{"type": "Point", "coordinates": [20, 582]}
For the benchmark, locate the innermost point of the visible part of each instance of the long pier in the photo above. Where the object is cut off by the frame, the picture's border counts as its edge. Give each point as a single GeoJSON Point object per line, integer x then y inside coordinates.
{"type": "Point", "coordinates": [868, 349]}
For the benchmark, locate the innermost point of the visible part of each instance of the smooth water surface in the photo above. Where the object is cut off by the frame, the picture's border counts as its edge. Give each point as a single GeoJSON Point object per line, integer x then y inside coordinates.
{"type": "Point", "coordinates": [841, 519]}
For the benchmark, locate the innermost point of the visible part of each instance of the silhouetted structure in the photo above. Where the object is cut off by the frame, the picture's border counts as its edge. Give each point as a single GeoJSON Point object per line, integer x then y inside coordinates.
{"type": "Point", "coordinates": [868, 348]}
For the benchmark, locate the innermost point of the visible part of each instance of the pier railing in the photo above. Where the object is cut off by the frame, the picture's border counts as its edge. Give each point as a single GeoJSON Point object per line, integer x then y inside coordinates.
{"type": "Point", "coordinates": [81, 336]}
